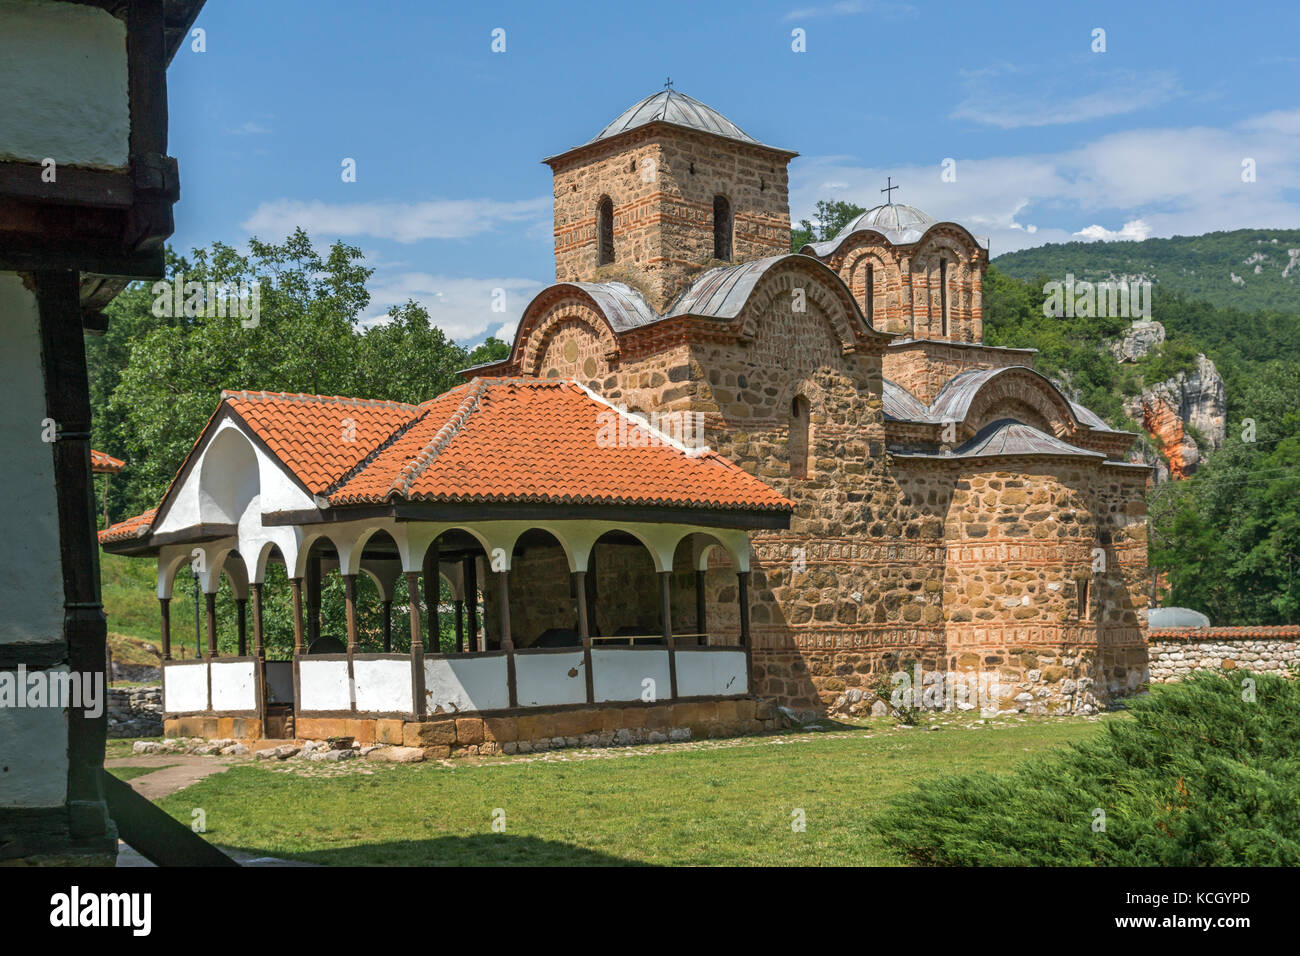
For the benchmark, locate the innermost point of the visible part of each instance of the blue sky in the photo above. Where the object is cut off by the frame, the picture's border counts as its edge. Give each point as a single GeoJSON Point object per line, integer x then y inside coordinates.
{"type": "Point", "coordinates": [1051, 141]}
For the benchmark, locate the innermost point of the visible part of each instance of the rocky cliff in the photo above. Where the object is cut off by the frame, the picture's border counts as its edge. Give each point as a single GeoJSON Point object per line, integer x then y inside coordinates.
{"type": "Point", "coordinates": [1170, 411]}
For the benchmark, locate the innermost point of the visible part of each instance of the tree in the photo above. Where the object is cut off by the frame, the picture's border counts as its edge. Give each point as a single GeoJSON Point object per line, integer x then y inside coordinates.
{"type": "Point", "coordinates": [832, 215]}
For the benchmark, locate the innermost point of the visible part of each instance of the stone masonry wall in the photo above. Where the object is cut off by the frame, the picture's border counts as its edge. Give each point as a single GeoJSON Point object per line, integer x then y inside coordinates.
{"type": "Point", "coordinates": [1178, 652]}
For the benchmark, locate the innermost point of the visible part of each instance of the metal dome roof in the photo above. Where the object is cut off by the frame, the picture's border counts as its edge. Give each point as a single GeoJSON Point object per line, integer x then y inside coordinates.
{"type": "Point", "coordinates": [670, 106]}
{"type": "Point", "coordinates": [891, 217]}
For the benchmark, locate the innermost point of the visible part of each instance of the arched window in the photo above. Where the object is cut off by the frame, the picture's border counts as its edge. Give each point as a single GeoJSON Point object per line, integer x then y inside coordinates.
{"type": "Point", "coordinates": [605, 230]}
{"type": "Point", "coordinates": [870, 301]}
{"type": "Point", "coordinates": [721, 228]}
{"type": "Point", "coordinates": [800, 444]}
{"type": "Point", "coordinates": [943, 295]}
{"type": "Point", "coordinates": [1082, 610]}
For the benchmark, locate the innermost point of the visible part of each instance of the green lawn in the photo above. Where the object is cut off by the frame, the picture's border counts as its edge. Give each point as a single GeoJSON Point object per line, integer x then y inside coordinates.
{"type": "Point", "coordinates": [130, 773]}
{"type": "Point", "coordinates": [708, 806]}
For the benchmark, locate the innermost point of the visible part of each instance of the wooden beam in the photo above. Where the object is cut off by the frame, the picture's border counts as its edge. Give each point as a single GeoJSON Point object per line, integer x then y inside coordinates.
{"type": "Point", "coordinates": [350, 611]}
{"type": "Point", "coordinates": [471, 594]}
{"type": "Point", "coordinates": [210, 599]}
{"type": "Point", "coordinates": [418, 701]}
{"type": "Point", "coordinates": [241, 624]}
{"type": "Point", "coordinates": [164, 605]}
{"type": "Point", "coordinates": [507, 644]}
{"type": "Point", "coordinates": [584, 630]}
{"type": "Point", "coordinates": [666, 614]}
{"type": "Point", "coordinates": [701, 608]}
{"type": "Point", "coordinates": [295, 585]}
{"type": "Point", "coordinates": [388, 627]}
{"type": "Point", "coordinates": [742, 588]}
{"type": "Point", "coordinates": [259, 647]}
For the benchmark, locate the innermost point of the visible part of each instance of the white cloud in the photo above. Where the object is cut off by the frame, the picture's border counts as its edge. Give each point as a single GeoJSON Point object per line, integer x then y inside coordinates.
{"type": "Point", "coordinates": [1135, 229]}
{"type": "Point", "coordinates": [461, 307]}
{"type": "Point", "coordinates": [1174, 181]}
{"type": "Point", "coordinates": [250, 128]}
{"type": "Point", "coordinates": [845, 8]}
{"type": "Point", "coordinates": [1048, 104]}
{"type": "Point", "coordinates": [398, 221]}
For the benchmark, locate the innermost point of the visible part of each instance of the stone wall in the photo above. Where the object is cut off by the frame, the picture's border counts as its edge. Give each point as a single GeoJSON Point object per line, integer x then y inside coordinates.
{"type": "Point", "coordinates": [1178, 652]}
{"type": "Point", "coordinates": [135, 711]}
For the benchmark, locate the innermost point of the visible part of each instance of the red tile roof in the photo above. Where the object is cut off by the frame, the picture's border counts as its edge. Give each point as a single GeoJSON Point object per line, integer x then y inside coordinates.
{"type": "Point", "coordinates": [491, 440]}
{"type": "Point", "coordinates": [535, 440]}
{"type": "Point", "coordinates": [129, 529]}
{"type": "Point", "coordinates": [102, 464]}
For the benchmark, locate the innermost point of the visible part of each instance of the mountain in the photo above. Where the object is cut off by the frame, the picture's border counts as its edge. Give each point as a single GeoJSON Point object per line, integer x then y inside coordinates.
{"type": "Point", "coordinates": [1247, 269]}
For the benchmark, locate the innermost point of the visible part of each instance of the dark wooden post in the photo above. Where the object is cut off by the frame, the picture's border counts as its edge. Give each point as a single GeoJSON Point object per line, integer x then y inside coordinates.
{"type": "Point", "coordinates": [67, 403]}
{"type": "Point", "coordinates": [388, 627]}
{"type": "Point", "coordinates": [584, 631]}
{"type": "Point", "coordinates": [471, 595]}
{"type": "Point", "coordinates": [211, 601]}
{"type": "Point", "coordinates": [701, 620]}
{"type": "Point", "coordinates": [164, 604]}
{"type": "Point", "coordinates": [417, 645]}
{"type": "Point", "coordinates": [666, 612]}
{"type": "Point", "coordinates": [350, 610]}
{"type": "Point", "coordinates": [460, 626]}
{"type": "Point", "coordinates": [742, 582]}
{"type": "Point", "coordinates": [295, 585]}
{"type": "Point", "coordinates": [432, 592]}
{"type": "Point", "coordinates": [313, 599]}
{"type": "Point", "coordinates": [241, 624]}
{"type": "Point", "coordinates": [507, 644]}
{"type": "Point", "coordinates": [259, 644]}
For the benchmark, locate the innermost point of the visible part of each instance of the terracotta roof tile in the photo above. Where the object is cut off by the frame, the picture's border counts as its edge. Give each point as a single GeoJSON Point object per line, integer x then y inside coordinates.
{"type": "Point", "coordinates": [321, 438]}
{"type": "Point", "coordinates": [540, 440]}
{"type": "Point", "coordinates": [102, 464]}
{"type": "Point", "coordinates": [128, 529]}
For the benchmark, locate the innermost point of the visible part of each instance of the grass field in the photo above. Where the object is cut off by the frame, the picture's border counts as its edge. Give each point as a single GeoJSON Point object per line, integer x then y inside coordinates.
{"type": "Point", "coordinates": [715, 803]}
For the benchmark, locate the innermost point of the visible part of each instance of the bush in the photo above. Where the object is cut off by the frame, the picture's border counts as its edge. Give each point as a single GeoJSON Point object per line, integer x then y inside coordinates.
{"type": "Point", "coordinates": [1195, 777]}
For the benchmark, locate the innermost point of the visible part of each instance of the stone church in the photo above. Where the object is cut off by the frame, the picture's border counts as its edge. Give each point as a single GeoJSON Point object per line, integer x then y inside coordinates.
{"type": "Point", "coordinates": [954, 510]}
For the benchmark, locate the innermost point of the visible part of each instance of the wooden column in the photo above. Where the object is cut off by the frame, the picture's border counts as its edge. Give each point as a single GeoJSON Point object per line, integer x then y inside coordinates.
{"type": "Point", "coordinates": [313, 599]}
{"type": "Point", "coordinates": [164, 605]}
{"type": "Point", "coordinates": [471, 595]}
{"type": "Point", "coordinates": [388, 627]}
{"type": "Point", "coordinates": [666, 612]}
{"type": "Point", "coordinates": [507, 644]}
{"type": "Point", "coordinates": [460, 626]}
{"type": "Point", "coordinates": [417, 645]}
{"type": "Point", "coordinates": [701, 619]}
{"type": "Point", "coordinates": [350, 610]}
{"type": "Point", "coordinates": [742, 582]}
{"type": "Point", "coordinates": [67, 404]}
{"type": "Point", "coordinates": [211, 601]}
{"type": "Point", "coordinates": [295, 585]}
{"type": "Point", "coordinates": [241, 624]}
{"type": "Point", "coordinates": [259, 644]}
{"type": "Point", "coordinates": [584, 630]}
{"type": "Point", "coordinates": [432, 592]}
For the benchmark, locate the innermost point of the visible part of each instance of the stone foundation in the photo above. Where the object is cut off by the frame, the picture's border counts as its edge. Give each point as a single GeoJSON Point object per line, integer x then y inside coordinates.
{"type": "Point", "coordinates": [1176, 653]}
{"type": "Point", "coordinates": [135, 712]}
{"type": "Point", "coordinates": [448, 735]}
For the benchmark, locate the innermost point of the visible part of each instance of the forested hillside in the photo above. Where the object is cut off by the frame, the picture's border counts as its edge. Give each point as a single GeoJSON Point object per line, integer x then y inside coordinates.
{"type": "Point", "coordinates": [1247, 269]}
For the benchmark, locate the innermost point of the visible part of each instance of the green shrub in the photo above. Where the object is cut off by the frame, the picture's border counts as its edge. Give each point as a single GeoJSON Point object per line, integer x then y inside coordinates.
{"type": "Point", "coordinates": [1196, 776]}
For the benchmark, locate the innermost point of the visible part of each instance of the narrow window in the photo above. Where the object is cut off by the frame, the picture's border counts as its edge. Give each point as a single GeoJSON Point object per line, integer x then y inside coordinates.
{"type": "Point", "coordinates": [605, 230]}
{"type": "Point", "coordinates": [799, 445]}
{"type": "Point", "coordinates": [1082, 610]}
{"type": "Point", "coordinates": [871, 296]}
{"type": "Point", "coordinates": [943, 293]}
{"type": "Point", "coordinates": [721, 228]}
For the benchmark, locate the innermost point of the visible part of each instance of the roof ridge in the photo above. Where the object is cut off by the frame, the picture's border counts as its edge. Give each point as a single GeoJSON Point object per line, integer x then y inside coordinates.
{"type": "Point", "coordinates": [374, 453]}
{"type": "Point", "coordinates": [416, 466]}
{"type": "Point", "coordinates": [251, 395]}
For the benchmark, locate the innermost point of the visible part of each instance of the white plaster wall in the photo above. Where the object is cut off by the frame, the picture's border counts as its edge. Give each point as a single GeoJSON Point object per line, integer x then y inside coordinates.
{"type": "Point", "coordinates": [34, 755]}
{"type": "Point", "coordinates": [462, 684]}
{"type": "Point", "coordinates": [709, 673]}
{"type": "Point", "coordinates": [185, 688]}
{"type": "Point", "coordinates": [63, 71]}
{"type": "Point", "coordinates": [548, 679]}
{"type": "Point", "coordinates": [617, 673]}
{"type": "Point", "coordinates": [324, 685]}
{"type": "Point", "coordinates": [276, 490]}
{"type": "Point", "coordinates": [279, 682]}
{"type": "Point", "coordinates": [234, 686]}
{"type": "Point", "coordinates": [383, 687]}
{"type": "Point", "coordinates": [29, 521]}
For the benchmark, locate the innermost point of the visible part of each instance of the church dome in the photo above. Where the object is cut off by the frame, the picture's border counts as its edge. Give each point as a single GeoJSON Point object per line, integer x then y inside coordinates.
{"type": "Point", "coordinates": [889, 218]}
{"type": "Point", "coordinates": [670, 106]}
